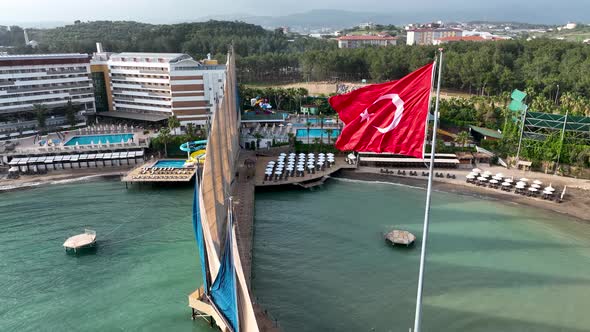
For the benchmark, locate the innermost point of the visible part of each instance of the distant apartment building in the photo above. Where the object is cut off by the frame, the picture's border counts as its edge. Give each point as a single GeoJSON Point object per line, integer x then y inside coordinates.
{"type": "Point", "coordinates": [426, 36]}
{"type": "Point", "coordinates": [159, 84]}
{"type": "Point", "coordinates": [50, 80]}
{"type": "Point", "coordinates": [446, 40]}
{"type": "Point", "coordinates": [368, 40]}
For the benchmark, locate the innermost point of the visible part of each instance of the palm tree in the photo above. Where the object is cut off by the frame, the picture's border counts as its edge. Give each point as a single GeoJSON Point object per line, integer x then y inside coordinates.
{"type": "Point", "coordinates": [462, 138]}
{"type": "Point", "coordinates": [329, 132]}
{"type": "Point", "coordinates": [40, 112]}
{"type": "Point", "coordinates": [70, 113]}
{"type": "Point", "coordinates": [165, 137]}
{"type": "Point", "coordinates": [308, 126]}
{"type": "Point", "coordinates": [316, 141]}
{"type": "Point", "coordinates": [291, 139]}
{"type": "Point", "coordinates": [190, 130]}
{"type": "Point", "coordinates": [321, 117]}
{"type": "Point", "coordinates": [173, 123]}
{"type": "Point", "coordinates": [258, 137]}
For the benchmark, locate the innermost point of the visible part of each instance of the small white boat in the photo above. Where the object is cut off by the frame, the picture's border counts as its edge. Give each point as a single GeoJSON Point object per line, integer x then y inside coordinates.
{"type": "Point", "coordinates": [81, 241]}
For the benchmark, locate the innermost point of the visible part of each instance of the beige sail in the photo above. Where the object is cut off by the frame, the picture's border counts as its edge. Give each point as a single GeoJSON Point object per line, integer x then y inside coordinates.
{"type": "Point", "coordinates": [216, 184]}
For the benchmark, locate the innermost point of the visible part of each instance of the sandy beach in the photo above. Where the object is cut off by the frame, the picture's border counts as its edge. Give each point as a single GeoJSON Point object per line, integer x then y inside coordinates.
{"type": "Point", "coordinates": [576, 202]}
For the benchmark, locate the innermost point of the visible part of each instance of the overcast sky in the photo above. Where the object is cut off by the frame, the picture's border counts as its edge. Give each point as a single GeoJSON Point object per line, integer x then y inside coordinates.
{"type": "Point", "coordinates": [163, 11]}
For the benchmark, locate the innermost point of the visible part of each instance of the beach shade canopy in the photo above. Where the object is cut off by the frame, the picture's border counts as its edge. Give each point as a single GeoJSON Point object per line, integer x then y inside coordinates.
{"type": "Point", "coordinates": [537, 182]}
{"type": "Point", "coordinates": [476, 170]}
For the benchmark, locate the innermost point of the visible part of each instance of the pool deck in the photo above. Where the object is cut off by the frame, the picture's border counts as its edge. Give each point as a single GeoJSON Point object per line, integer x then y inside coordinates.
{"type": "Point", "coordinates": [137, 175]}
{"type": "Point", "coordinates": [306, 181]}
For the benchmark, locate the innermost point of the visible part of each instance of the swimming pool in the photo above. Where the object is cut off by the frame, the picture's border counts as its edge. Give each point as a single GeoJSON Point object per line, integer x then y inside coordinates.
{"type": "Point", "coordinates": [314, 122]}
{"type": "Point", "coordinates": [102, 139]}
{"type": "Point", "coordinates": [170, 163]}
{"type": "Point", "coordinates": [313, 133]}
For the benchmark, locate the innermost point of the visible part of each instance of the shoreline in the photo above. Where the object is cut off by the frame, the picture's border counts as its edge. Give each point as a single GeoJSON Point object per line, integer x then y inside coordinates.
{"type": "Point", "coordinates": [574, 207]}
{"type": "Point", "coordinates": [30, 182]}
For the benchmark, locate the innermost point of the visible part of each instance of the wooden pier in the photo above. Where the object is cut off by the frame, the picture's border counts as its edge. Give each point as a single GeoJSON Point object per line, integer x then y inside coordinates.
{"type": "Point", "coordinates": [147, 174]}
{"type": "Point", "coordinates": [308, 180]}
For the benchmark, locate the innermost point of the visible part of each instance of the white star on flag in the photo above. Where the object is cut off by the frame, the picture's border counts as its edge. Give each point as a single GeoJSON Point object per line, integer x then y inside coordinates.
{"type": "Point", "coordinates": [365, 116]}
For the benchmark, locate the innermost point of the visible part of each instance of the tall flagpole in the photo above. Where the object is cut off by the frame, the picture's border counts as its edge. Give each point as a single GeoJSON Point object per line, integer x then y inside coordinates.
{"type": "Point", "coordinates": [418, 317]}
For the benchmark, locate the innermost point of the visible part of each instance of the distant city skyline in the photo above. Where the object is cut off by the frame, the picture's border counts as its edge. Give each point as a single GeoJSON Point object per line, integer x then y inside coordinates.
{"type": "Point", "coordinates": [37, 12]}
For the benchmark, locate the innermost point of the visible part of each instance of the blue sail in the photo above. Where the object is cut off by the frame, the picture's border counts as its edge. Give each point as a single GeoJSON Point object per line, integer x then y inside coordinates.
{"type": "Point", "coordinates": [199, 234]}
{"type": "Point", "coordinates": [223, 290]}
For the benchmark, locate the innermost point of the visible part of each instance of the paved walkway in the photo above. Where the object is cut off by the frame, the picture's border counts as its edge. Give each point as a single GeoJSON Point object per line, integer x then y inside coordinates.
{"type": "Point", "coordinates": [243, 193]}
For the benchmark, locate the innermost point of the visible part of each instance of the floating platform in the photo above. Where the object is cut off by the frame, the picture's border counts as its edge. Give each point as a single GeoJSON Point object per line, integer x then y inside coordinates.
{"type": "Point", "coordinates": [151, 173]}
{"type": "Point", "coordinates": [81, 241]}
{"type": "Point", "coordinates": [399, 237]}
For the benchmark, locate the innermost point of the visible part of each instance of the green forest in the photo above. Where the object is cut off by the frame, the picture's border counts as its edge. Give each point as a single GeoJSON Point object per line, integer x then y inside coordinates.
{"type": "Point", "coordinates": [554, 73]}
{"type": "Point", "coordinates": [265, 56]}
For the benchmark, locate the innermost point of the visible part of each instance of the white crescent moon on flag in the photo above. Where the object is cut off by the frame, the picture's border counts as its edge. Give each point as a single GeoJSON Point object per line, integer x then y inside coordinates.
{"type": "Point", "coordinates": [399, 104]}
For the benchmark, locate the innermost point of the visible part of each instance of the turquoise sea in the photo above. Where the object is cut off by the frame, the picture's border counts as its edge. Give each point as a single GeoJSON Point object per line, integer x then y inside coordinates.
{"type": "Point", "coordinates": [320, 263]}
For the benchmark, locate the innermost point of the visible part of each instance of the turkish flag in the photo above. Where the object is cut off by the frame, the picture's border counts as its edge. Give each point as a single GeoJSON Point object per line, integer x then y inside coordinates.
{"type": "Point", "coordinates": [387, 117]}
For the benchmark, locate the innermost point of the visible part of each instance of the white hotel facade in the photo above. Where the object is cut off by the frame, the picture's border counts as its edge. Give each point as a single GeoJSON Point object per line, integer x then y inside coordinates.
{"type": "Point", "coordinates": [164, 84]}
{"type": "Point", "coordinates": [51, 80]}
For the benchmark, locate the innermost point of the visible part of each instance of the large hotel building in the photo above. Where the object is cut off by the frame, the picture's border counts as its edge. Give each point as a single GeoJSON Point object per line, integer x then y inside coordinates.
{"type": "Point", "coordinates": [51, 80]}
{"type": "Point", "coordinates": [158, 85]}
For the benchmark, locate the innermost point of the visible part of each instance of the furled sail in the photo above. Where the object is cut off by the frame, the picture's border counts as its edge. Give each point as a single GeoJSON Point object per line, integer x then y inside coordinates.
{"type": "Point", "coordinates": [198, 227]}
{"type": "Point", "coordinates": [224, 289]}
{"type": "Point", "coordinates": [223, 277]}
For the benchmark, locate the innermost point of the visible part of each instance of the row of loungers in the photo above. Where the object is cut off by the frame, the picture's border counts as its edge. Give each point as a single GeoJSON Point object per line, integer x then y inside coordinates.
{"type": "Point", "coordinates": [415, 173]}
{"type": "Point", "coordinates": [524, 191]}
{"type": "Point", "coordinates": [165, 170]}
{"type": "Point", "coordinates": [159, 177]}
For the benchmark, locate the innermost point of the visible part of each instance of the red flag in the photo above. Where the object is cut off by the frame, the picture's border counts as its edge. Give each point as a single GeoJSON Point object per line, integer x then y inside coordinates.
{"type": "Point", "coordinates": [388, 117]}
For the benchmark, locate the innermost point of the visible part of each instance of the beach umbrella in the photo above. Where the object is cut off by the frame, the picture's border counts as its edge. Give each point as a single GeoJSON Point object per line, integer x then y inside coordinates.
{"type": "Point", "coordinates": [476, 170]}
{"type": "Point", "coordinates": [500, 175]}
{"type": "Point", "coordinates": [272, 162]}
{"type": "Point", "coordinates": [496, 177]}
{"type": "Point", "coordinates": [470, 176]}
{"type": "Point", "coordinates": [481, 178]}
{"type": "Point", "coordinates": [524, 179]}
{"type": "Point", "coordinates": [506, 184]}
{"type": "Point", "coordinates": [537, 182]}
{"type": "Point", "coordinates": [509, 180]}
{"type": "Point", "coordinates": [534, 185]}
{"type": "Point", "coordinates": [494, 181]}
{"type": "Point", "coordinates": [550, 188]}
{"type": "Point", "coordinates": [533, 189]}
